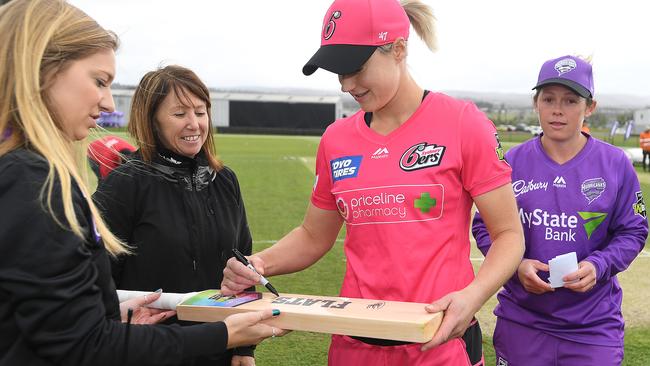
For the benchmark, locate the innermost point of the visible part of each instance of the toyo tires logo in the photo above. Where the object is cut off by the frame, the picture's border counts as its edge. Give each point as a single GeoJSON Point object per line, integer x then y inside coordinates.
{"type": "Point", "coordinates": [421, 156]}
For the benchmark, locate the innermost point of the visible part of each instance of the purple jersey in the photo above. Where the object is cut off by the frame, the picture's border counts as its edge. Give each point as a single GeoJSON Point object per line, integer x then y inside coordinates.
{"type": "Point", "coordinates": [591, 205]}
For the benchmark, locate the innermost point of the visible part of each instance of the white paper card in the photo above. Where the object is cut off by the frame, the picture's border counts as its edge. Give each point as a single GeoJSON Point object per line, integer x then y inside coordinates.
{"type": "Point", "coordinates": [561, 266]}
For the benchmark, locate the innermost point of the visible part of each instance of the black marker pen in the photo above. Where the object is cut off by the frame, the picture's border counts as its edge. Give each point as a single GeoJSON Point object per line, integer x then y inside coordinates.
{"type": "Point", "coordinates": [240, 257]}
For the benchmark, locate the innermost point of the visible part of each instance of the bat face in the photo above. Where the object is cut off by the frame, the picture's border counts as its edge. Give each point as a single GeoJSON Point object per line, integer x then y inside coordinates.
{"type": "Point", "coordinates": [402, 321]}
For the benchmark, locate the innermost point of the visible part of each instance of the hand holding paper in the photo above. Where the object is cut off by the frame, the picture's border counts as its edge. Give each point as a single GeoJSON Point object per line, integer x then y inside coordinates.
{"type": "Point", "coordinates": [561, 266]}
{"type": "Point", "coordinates": [584, 279]}
{"type": "Point", "coordinates": [528, 276]}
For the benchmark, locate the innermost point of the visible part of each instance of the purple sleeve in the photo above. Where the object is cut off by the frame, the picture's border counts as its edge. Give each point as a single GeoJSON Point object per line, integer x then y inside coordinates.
{"type": "Point", "coordinates": [481, 235]}
{"type": "Point", "coordinates": [628, 229]}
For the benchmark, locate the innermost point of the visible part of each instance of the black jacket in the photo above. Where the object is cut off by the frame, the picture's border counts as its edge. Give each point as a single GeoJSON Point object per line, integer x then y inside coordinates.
{"type": "Point", "coordinates": [182, 220]}
{"type": "Point", "coordinates": [58, 304]}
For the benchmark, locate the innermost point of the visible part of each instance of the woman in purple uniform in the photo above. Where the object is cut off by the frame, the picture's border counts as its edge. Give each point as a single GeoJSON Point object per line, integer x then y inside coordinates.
{"type": "Point", "coordinates": [575, 194]}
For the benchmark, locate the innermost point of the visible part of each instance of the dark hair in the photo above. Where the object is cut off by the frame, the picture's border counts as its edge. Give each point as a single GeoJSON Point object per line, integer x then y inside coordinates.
{"type": "Point", "coordinates": [150, 93]}
{"type": "Point", "coordinates": [589, 101]}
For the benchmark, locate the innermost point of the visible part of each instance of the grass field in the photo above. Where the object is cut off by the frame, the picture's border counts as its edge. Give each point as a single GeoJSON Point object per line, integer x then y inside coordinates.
{"type": "Point", "coordinates": [276, 175]}
{"type": "Point", "coordinates": [603, 134]}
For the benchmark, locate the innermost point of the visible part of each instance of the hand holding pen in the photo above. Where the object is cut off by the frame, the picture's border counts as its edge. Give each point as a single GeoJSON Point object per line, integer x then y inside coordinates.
{"type": "Point", "coordinates": [240, 257]}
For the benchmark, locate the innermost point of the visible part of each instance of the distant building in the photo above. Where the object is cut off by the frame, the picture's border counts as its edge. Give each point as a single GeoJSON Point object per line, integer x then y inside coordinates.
{"type": "Point", "coordinates": [641, 120]}
{"type": "Point", "coordinates": [261, 112]}
{"type": "Point", "coordinates": [122, 99]}
{"type": "Point", "coordinates": [253, 112]}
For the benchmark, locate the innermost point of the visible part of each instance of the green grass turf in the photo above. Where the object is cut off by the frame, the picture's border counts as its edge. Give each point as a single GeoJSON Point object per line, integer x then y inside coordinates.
{"type": "Point", "coordinates": [637, 346]}
{"type": "Point", "coordinates": [276, 176]}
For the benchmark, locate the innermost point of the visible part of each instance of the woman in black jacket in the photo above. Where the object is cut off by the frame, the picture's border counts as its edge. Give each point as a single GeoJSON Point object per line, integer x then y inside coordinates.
{"type": "Point", "coordinates": [177, 206]}
{"type": "Point", "coordinates": [59, 305]}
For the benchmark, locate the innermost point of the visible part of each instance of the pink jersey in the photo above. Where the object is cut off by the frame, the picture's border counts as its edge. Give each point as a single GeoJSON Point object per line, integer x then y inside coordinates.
{"type": "Point", "coordinates": [406, 197]}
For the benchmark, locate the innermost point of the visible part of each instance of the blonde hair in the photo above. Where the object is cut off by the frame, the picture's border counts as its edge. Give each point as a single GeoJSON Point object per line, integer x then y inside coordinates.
{"type": "Point", "coordinates": [150, 93]}
{"type": "Point", "coordinates": [423, 21]}
{"type": "Point", "coordinates": [40, 39]}
{"type": "Point", "coordinates": [421, 18]}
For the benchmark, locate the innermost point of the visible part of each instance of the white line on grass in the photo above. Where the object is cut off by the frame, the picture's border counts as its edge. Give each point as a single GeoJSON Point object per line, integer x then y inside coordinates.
{"type": "Point", "coordinates": [309, 163]}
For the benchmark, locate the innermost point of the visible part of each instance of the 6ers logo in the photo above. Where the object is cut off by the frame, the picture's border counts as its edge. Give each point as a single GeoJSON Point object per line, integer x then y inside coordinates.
{"type": "Point", "coordinates": [421, 156]}
{"type": "Point", "coordinates": [330, 26]}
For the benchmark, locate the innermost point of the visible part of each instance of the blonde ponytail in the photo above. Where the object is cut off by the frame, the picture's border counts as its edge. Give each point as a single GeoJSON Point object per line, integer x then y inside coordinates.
{"type": "Point", "coordinates": [423, 21]}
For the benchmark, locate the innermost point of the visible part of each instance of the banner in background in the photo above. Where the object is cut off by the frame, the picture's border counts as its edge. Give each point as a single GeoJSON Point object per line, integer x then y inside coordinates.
{"type": "Point", "coordinates": [628, 130]}
{"type": "Point", "coordinates": [612, 132]}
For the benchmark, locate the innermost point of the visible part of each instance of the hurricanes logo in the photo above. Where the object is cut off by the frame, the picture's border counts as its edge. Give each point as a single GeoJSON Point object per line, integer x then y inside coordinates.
{"type": "Point", "coordinates": [330, 27]}
{"type": "Point", "coordinates": [592, 221]}
{"type": "Point", "coordinates": [565, 65]}
{"type": "Point", "coordinates": [593, 188]}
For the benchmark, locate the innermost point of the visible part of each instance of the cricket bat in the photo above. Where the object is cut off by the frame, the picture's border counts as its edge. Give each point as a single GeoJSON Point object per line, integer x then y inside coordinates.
{"type": "Point", "coordinates": [401, 321]}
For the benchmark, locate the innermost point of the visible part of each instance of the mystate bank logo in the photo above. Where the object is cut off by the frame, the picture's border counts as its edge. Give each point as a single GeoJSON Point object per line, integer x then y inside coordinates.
{"type": "Point", "coordinates": [391, 204]}
{"type": "Point", "coordinates": [561, 226]}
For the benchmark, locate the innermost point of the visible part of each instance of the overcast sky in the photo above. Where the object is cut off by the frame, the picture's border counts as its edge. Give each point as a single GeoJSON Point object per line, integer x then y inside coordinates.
{"type": "Point", "coordinates": [490, 46]}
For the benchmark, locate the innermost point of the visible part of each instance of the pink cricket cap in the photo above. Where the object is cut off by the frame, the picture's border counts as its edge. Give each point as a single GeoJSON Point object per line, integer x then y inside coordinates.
{"type": "Point", "coordinates": [352, 31]}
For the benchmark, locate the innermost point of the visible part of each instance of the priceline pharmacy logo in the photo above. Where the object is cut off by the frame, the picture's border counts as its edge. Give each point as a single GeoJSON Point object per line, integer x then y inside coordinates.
{"type": "Point", "coordinates": [391, 204]}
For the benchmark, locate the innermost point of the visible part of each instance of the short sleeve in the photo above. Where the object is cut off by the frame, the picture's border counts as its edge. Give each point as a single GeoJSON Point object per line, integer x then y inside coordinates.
{"type": "Point", "coordinates": [484, 166]}
{"type": "Point", "coordinates": [322, 196]}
